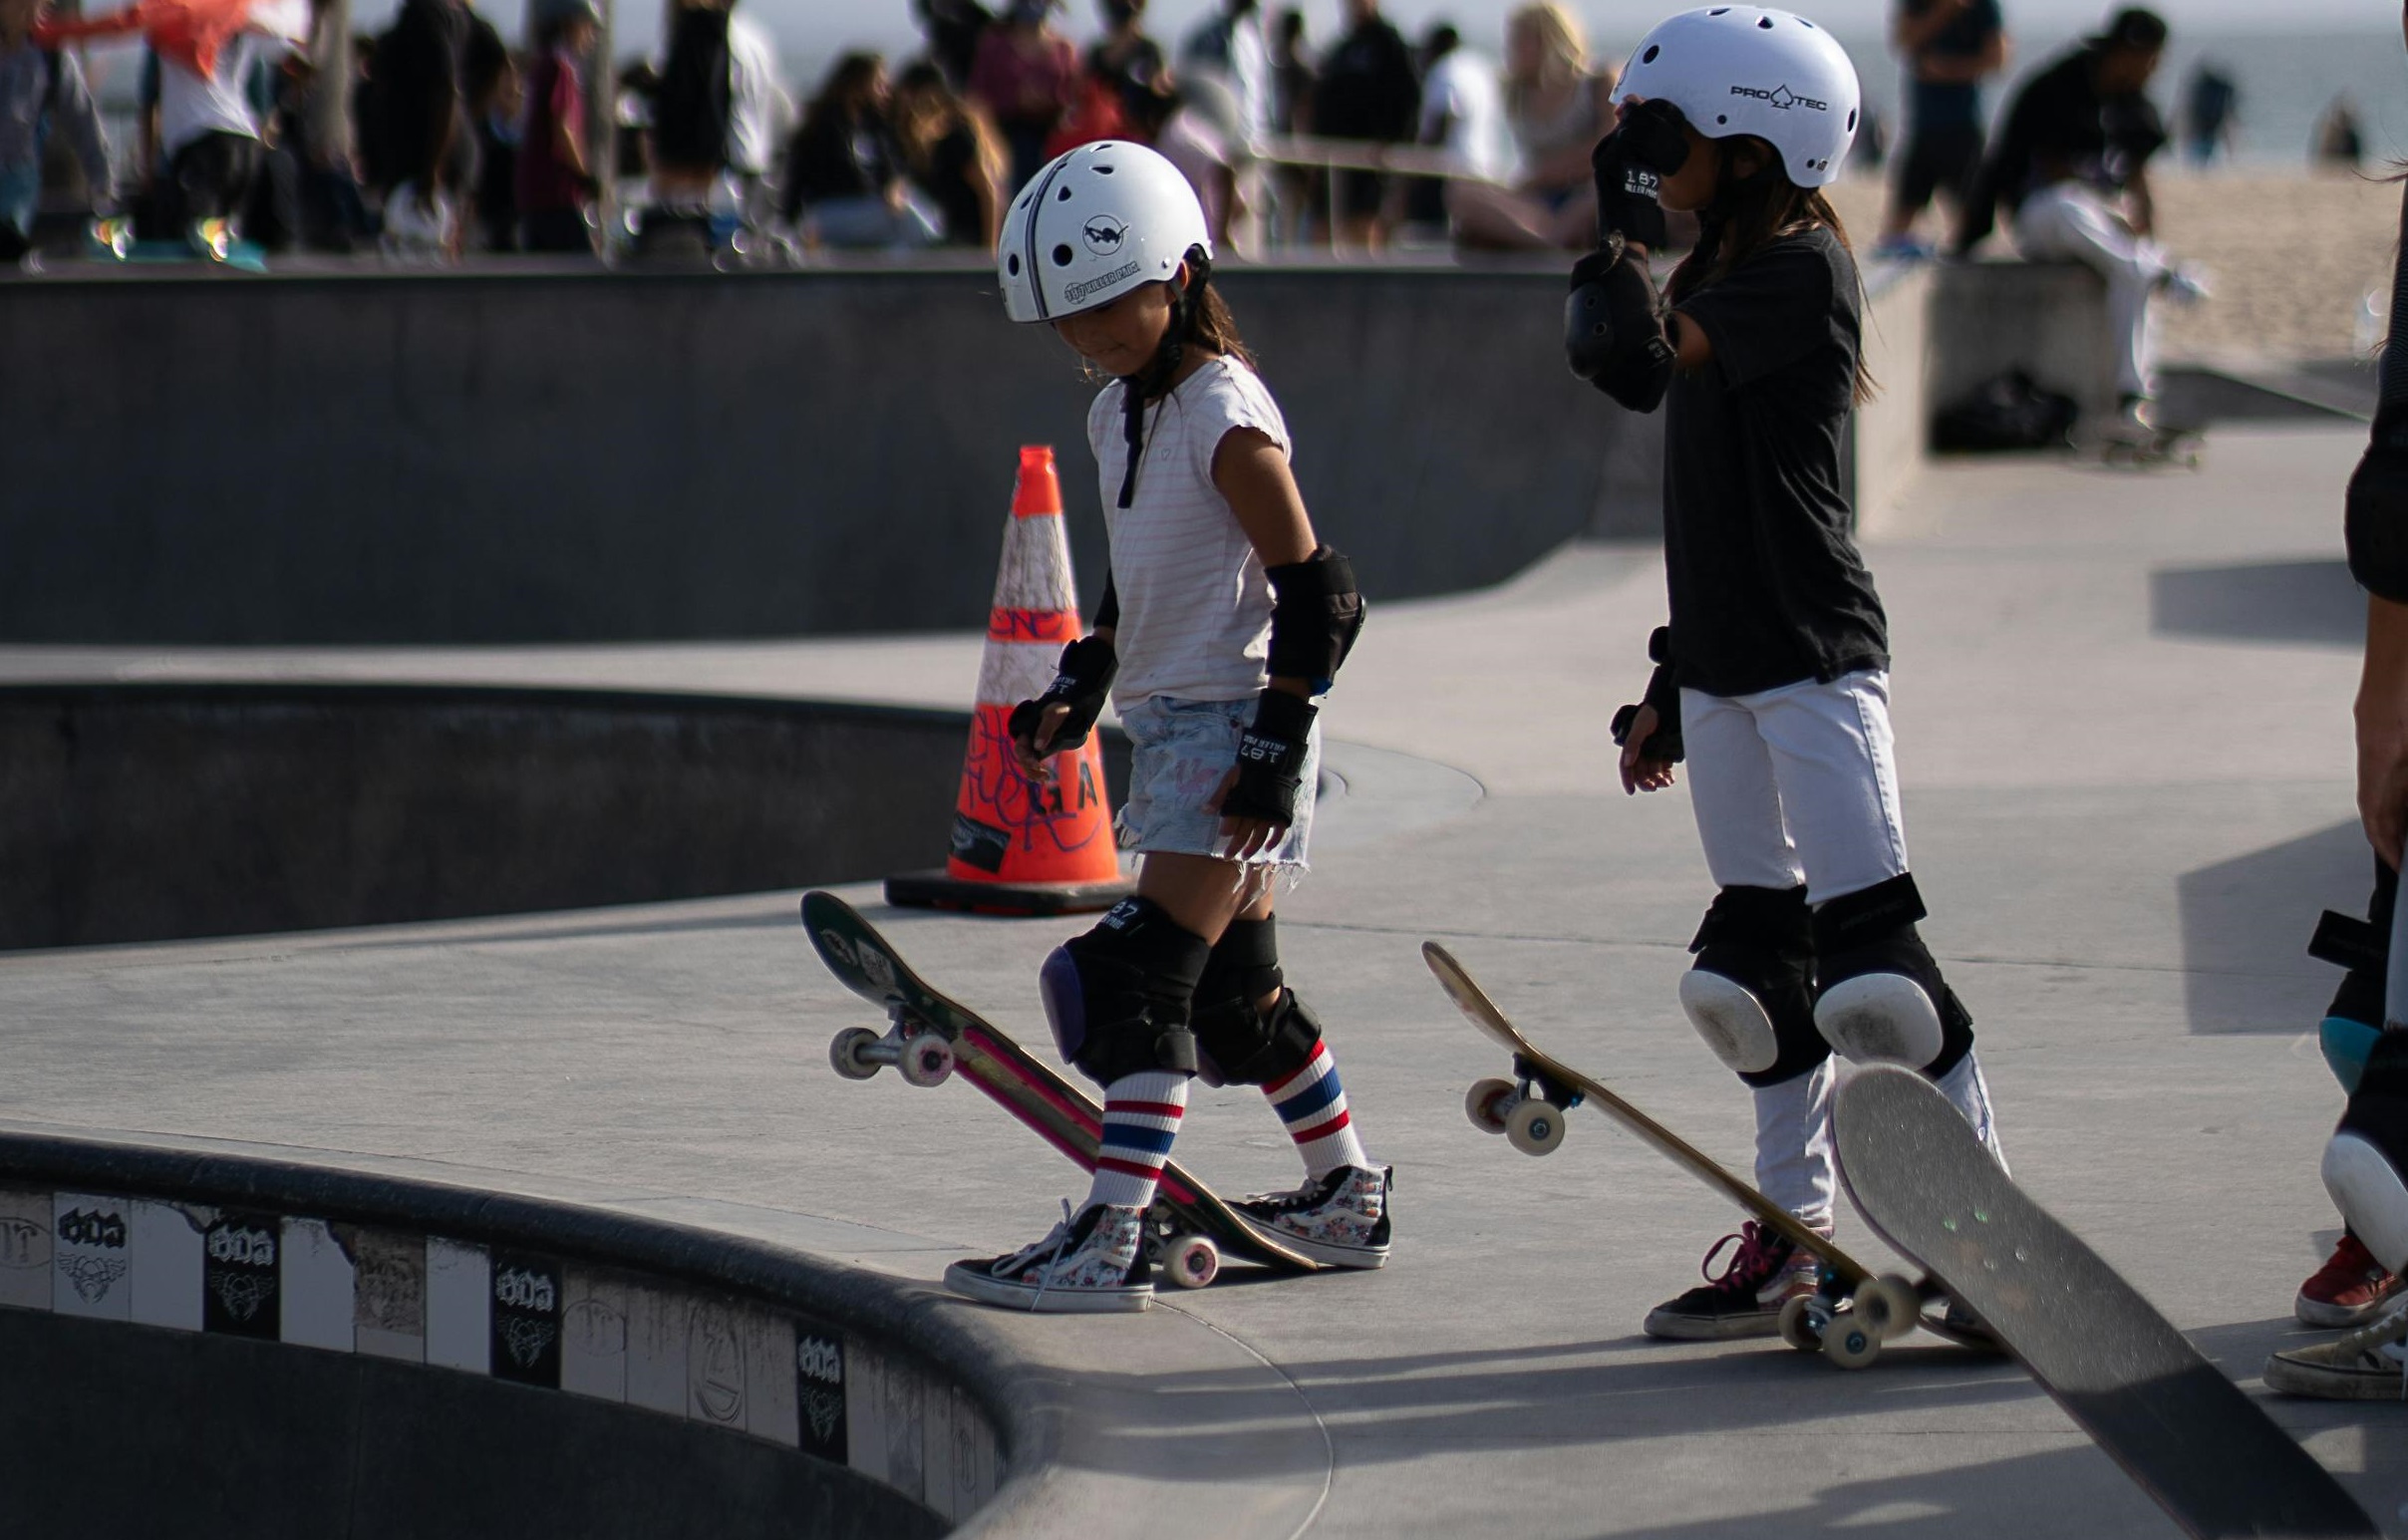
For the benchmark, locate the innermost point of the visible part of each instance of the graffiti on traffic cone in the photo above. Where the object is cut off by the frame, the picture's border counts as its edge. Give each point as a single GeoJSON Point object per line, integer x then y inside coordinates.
{"type": "Point", "coordinates": [1024, 846]}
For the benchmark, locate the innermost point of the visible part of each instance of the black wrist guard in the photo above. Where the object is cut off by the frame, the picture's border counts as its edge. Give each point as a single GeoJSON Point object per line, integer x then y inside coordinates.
{"type": "Point", "coordinates": [1315, 614]}
{"type": "Point", "coordinates": [1271, 759]}
{"type": "Point", "coordinates": [1663, 693]}
{"type": "Point", "coordinates": [1083, 684]}
{"type": "Point", "coordinates": [1613, 336]}
{"type": "Point", "coordinates": [2376, 523]}
{"type": "Point", "coordinates": [1626, 181]}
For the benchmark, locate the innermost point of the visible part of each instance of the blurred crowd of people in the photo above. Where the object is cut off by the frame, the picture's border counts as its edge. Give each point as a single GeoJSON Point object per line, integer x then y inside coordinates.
{"type": "Point", "coordinates": [436, 137]}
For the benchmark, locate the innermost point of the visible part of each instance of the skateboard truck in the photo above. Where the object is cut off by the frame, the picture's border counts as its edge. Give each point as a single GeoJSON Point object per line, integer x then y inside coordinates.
{"type": "Point", "coordinates": [917, 1050]}
{"type": "Point", "coordinates": [1528, 1109]}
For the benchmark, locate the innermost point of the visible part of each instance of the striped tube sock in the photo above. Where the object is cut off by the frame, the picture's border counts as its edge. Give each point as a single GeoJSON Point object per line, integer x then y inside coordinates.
{"type": "Point", "coordinates": [1314, 1106]}
{"type": "Point", "coordinates": [1140, 1119]}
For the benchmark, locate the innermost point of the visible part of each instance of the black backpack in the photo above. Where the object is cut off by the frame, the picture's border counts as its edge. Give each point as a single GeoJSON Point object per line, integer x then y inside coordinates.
{"type": "Point", "coordinates": [2010, 411]}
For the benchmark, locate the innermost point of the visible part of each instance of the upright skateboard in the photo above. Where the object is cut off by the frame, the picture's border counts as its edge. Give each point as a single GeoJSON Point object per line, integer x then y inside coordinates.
{"type": "Point", "coordinates": [928, 1038]}
{"type": "Point", "coordinates": [1848, 1319]}
{"type": "Point", "coordinates": [2186, 1433]}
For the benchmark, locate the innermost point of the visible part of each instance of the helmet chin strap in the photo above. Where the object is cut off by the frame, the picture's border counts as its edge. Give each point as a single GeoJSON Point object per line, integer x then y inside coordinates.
{"type": "Point", "coordinates": [1155, 377]}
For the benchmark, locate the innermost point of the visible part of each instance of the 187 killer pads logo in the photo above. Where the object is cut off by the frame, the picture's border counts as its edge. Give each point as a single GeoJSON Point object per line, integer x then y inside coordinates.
{"type": "Point", "coordinates": [819, 1390]}
{"type": "Point", "coordinates": [239, 1256]}
{"type": "Point", "coordinates": [526, 1318]}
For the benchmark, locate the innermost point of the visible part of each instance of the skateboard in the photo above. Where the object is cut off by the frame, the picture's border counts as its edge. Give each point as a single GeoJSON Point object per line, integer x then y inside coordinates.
{"type": "Point", "coordinates": [929, 1038]}
{"type": "Point", "coordinates": [2187, 1435]}
{"type": "Point", "coordinates": [206, 240]}
{"type": "Point", "coordinates": [1847, 1320]}
{"type": "Point", "coordinates": [2181, 447]}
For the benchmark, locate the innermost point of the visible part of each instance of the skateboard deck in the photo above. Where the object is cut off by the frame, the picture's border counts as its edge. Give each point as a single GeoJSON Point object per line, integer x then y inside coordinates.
{"type": "Point", "coordinates": [2188, 1436]}
{"type": "Point", "coordinates": [1856, 1310]}
{"type": "Point", "coordinates": [931, 1037]}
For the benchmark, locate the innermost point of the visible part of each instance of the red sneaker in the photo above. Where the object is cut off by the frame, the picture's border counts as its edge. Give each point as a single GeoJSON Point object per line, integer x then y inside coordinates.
{"type": "Point", "coordinates": [2348, 1290]}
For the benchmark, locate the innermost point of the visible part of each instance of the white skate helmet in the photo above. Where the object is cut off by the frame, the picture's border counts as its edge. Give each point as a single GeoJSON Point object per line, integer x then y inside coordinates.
{"type": "Point", "coordinates": [1096, 222]}
{"type": "Point", "coordinates": [1741, 69]}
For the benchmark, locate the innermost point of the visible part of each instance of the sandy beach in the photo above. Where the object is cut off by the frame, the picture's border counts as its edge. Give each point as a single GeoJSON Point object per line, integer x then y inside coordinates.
{"type": "Point", "coordinates": [2291, 257]}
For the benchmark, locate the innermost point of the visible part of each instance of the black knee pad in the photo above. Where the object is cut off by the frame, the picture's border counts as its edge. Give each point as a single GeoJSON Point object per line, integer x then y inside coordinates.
{"type": "Point", "coordinates": [1872, 931]}
{"type": "Point", "coordinates": [1762, 939]}
{"type": "Point", "coordinates": [1236, 1045]}
{"type": "Point", "coordinates": [1243, 964]}
{"type": "Point", "coordinates": [2367, 1161]}
{"type": "Point", "coordinates": [1118, 996]}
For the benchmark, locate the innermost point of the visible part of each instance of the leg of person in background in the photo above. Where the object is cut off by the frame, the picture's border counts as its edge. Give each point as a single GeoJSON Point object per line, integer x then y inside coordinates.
{"type": "Point", "coordinates": [2351, 1288]}
{"type": "Point", "coordinates": [1492, 217]}
{"type": "Point", "coordinates": [1910, 195]}
{"type": "Point", "coordinates": [2072, 221]}
{"type": "Point", "coordinates": [1747, 995]}
{"type": "Point", "coordinates": [2366, 1173]}
{"type": "Point", "coordinates": [20, 200]}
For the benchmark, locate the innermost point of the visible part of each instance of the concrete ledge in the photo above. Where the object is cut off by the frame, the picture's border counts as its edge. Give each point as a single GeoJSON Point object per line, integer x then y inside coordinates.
{"type": "Point", "coordinates": [482, 457]}
{"type": "Point", "coordinates": [2046, 318]}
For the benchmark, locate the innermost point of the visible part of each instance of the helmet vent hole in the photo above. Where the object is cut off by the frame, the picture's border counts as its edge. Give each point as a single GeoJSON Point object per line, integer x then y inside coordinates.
{"type": "Point", "coordinates": [1649, 56]}
{"type": "Point", "coordinates": [1012, 264]}
{"type": "Point", "coordinates": [1103, 171]}
{"type": "Point", "coordinates": [1061, 256]}
{"type": "Point", "coordinates": [1803, 22]}
{"type": "Point", "coordinates": [1720, 10]}
{"type": "Point", "coordinates": [1765, 22]}
{"type": "Point", "coordinates": [1852, 120]}
{"type": "Point", "coordinates": [1064, 196]}
{"type": "Point", "coordinates": [1721, 118]}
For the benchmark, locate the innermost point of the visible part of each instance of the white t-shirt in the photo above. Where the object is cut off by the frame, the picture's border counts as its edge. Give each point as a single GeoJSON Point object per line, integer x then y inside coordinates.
{"type": "Point", "coordinates": [1195, 607]}
{"type": "Point", "coordinates": [1462, 88]}
{"type": "Point", "coordinates": [190, 106]}
{"type": "Point", "coordinates": [757, 104]}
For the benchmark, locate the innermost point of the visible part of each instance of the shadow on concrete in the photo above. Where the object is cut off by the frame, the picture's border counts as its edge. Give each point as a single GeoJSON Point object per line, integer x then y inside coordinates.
{"type": "Point", "coordinates": [2314, 603]}
{"type": "Point", "coordinates": [2246, 923]}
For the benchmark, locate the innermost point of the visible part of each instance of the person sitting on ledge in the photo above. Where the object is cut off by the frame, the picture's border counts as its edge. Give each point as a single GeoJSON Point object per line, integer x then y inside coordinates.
{"type": "Point", "coordinates": [2070, 166]}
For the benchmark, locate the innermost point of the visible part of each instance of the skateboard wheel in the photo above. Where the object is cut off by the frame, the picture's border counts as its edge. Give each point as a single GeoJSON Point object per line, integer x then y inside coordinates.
{"type": "Point", "coordinates": [927, 1060]}
{"type": "Point", "coordinates": [1535, 1127]}
{"type": "Point", "coordinates": [1485, 1104]}
{"type": "Point", "coordinates": [1889, 1306]}
{"type": "Point", "coordinates": [1851, 1344]}
{"type": "Point", "coordinates": [845, 1052]}
{"type": "Point", "coordinates": [1798, 1327]}
{"type": "Point", "coordinates": [1193, 1261]}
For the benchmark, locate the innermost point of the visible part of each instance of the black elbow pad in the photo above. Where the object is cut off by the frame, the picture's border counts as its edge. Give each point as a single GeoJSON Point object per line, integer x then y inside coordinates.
{"type": "Point", "coordinates": [1613, 336]}
{"type": "Point", "coordinates": [2376, 523]}
{"type": "Point", "coordinates": [1315, 614]}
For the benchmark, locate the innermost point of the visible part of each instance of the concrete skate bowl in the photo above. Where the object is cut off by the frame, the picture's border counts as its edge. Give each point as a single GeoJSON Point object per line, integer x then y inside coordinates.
{"type": "Point", "coordinates": [145, 812]}
{"type": "Point", "coordinates": [213, 1345]}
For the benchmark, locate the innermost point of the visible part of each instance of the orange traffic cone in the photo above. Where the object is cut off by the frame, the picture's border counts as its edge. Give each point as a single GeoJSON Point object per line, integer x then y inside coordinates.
{"type": "Point", "coordinates": [1021, 846]}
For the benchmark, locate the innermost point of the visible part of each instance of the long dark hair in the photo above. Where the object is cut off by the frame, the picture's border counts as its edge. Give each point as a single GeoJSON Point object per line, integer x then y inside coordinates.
{"type": "Point", "coordinates": [1216, 329]}
{"type": "Point", "coordinates": [1749, 213]}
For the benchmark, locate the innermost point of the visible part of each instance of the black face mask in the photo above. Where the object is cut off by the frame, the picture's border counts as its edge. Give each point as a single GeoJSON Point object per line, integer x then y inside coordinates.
{"type": "Point", "coordinates": [1656, 135]}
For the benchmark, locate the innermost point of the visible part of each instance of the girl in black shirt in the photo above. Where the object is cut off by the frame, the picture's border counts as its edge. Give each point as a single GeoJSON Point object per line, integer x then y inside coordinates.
{"type": "Point", "coordinates": [1774, 674]}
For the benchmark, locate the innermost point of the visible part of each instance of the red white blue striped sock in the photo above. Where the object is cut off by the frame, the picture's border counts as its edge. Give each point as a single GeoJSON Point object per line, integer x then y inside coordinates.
{"type": "Point", "coordinates": [1314, 1106]}
{"type": "Point", "coordinates": [1140, 1119]}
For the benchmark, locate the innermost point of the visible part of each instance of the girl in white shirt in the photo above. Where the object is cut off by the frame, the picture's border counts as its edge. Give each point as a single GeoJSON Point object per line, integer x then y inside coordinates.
{"type": "Point", "coordinates": [1222, 621]}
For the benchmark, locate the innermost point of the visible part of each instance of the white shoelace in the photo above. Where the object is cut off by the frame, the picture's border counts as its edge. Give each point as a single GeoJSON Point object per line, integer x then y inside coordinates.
{"type": "Point", "coordinates": [1061, 1239]}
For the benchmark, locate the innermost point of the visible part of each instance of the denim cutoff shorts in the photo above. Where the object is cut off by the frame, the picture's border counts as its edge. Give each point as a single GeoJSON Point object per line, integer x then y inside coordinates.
{"type": "Point", "coordinates": [1179, 750]}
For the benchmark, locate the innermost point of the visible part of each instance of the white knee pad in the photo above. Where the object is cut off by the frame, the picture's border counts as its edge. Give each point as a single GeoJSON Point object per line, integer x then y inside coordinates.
{"type": "Point", "coordinates": [2367, 1189]}
{"type": "Point", "coordinates": [1731, 1020]}
{"type": "Point", "coordinates": [1879, 1018]}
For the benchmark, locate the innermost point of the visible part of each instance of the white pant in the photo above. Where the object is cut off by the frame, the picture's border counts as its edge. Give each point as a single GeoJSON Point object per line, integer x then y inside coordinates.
{"type": "Point", "coordinates": [2070, 220]}
{"type": "Point", "coordinates": [1797, 784]}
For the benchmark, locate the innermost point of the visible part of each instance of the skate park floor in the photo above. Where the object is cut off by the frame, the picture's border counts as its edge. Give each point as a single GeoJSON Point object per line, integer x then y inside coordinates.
{"type": "Point", "coordinates": [2123, 712]}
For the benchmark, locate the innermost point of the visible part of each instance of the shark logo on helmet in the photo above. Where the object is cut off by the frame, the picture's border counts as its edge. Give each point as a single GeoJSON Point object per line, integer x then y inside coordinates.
{"type": "Point", "coordinates": [1103, 234]}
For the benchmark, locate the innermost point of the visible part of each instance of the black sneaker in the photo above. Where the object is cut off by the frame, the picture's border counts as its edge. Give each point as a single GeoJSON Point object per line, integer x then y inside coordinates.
{"type": "Point", "coordinates": [1089, 1262]}
{"type": "Point", "coordinates": [1745, 1298]}
{"type": "Point", "coordinates": [1339, 1220]}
